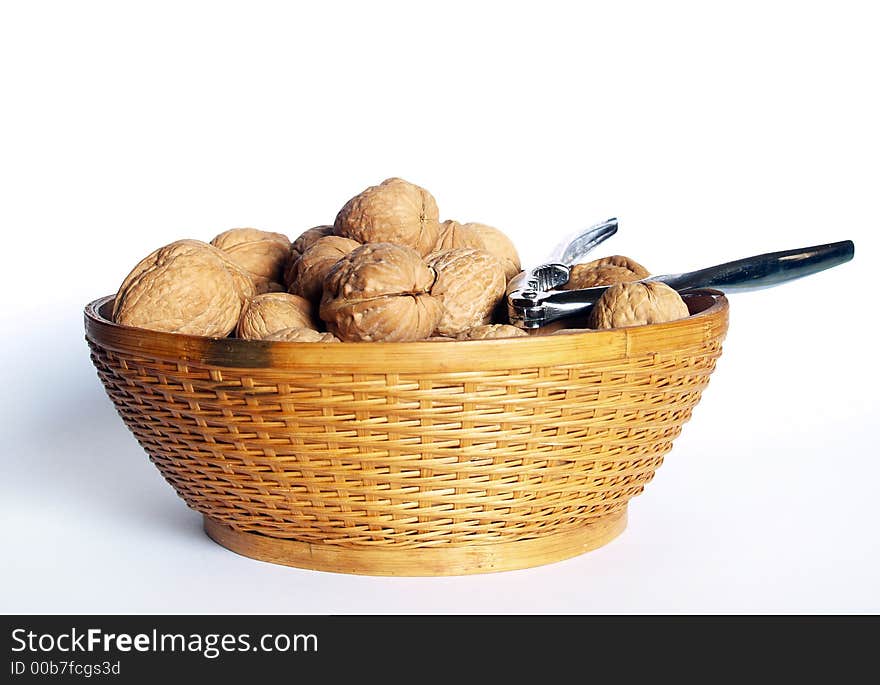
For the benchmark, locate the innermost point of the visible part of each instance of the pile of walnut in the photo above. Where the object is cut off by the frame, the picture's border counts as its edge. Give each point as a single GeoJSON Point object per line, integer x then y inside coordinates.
{"type": "Point", "coordinates": [387, 270]}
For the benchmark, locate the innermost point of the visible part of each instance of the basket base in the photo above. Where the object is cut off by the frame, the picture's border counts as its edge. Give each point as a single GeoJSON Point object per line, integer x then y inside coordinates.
{"type": "Point", "coordinates": [434, 561]}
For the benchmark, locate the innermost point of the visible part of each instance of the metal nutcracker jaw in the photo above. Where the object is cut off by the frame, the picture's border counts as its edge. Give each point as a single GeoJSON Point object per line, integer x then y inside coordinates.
{"type": "Point", "coordinates": [531, 306]}
{"type": "Point", "coordinates": [527, 291]}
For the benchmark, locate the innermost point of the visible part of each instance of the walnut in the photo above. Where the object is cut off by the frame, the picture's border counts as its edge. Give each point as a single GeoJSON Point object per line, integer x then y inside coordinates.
{"type": "Point", "coordinates": [262, 253]}
{"type": "Point", "coordinates": [570, 331]}
{"type": "Point", "coordinates": [493, 330]}
{"type": "Point", "coordinates": [307, 274]}
{"type": "Point", "coordinates": [636, 304]}
{"type": "Point", "coordinates": [186, 287]}
{"type": "Point", "coordinates": [380, 292]}
{"type": "Point", "coordinates": [483, 237]}
{"type": "Point", "coordinates": [605, 271]}
{"type": "Point", "coordinates": [394, 211]}
{"type": "Point", "coordinates": [469, 284]}
{"type": "Point", "coordinates": [270, 312]}
{"type": "Point", "coordinates": [301, 335]}
{"type": "Point", "coordinates": [298, 246]}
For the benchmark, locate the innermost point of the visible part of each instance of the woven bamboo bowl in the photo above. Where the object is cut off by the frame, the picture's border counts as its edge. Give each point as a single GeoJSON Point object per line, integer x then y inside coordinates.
{"type": "Point", "coordinates": [421, 458]}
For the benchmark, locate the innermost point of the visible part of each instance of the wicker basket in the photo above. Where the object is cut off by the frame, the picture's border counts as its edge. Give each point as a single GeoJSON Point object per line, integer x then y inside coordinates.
{"type": "Point", "coordinates": [422, 458]}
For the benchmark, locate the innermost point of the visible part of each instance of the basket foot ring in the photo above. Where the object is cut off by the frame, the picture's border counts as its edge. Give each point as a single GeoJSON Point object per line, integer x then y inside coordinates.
{"type": "Point", "coordinates": [420, 561]}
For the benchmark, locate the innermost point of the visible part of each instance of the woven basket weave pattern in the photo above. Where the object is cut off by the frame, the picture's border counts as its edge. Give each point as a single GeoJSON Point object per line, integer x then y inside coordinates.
{"type": "Point", "coordinates": [415, 459]}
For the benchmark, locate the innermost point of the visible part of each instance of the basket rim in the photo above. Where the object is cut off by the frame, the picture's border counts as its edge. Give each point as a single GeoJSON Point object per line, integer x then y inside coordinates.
{"type": "Point", "coordinates": [707, 322]}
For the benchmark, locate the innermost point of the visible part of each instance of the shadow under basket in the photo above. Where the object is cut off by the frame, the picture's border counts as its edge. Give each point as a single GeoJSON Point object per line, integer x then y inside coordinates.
{"type": "Point", "coordinates": [410, 459]}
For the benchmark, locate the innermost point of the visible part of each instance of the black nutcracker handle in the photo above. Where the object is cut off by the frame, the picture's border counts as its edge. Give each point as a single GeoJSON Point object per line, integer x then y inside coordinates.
{"type": "Point", "coordinates": [763, 271]}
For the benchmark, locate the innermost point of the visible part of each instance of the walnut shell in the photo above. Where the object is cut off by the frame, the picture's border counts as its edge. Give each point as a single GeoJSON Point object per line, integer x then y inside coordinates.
{"type": "Point", "coordinates": [270, 312]}
{"type": "Point", "coordinates": [308, 272]}
{"type": "Point", "coordinates": [636, 304]}
{"type": "Point", "coordinates": [605, 271]}
{"type": "Point", "coordinates": [186, 287]}
{"type": "Point", "coordinates": [395, 211]}
{"type": "Point", "coordinates": [261, 286]}
{"type": "Point", "coordinates": [298, 246]}
{"type": "Point", "coordinates": [470, 283]}
{"type": "Point", "coordinates": [380, 292]}
{"type": "Point", "coordinates": [570, 331]}
{"type": "Point", "coordinates": [301, 335]}
{"type": "Point", "coordinates": [482, 237]}
{"type": "Point", "coordinates": [491, 331]}
{"type": "Point", "coordinates": [262, 253]}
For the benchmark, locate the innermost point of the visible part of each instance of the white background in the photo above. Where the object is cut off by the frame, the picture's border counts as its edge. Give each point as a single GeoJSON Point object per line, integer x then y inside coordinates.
{"type": "Point", "coordinates": [711, 133]}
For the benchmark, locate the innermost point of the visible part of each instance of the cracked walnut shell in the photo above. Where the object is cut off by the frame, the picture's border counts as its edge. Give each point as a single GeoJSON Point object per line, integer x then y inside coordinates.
{"type": "Point", "coordinates": [308, 272]}
{"type": "Point", "coordinates": [482, 237]}
{"type": "Point", "coordinates": [605, 271]}
{"type": "Point", "coordinates": [270, 312]}
{"type": "Point", "coordinates": [380, 292]}
{"type": "Point", "coordinates": [186, 287]}
{"type": "Point", "coordinates": [261, 253]}
{"type": "Point", "coordinates": [470, 283]}
{"type": "Point", "coordinates": [636, 304]}
{"type": "Point", "coordinates": [395, 211]}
